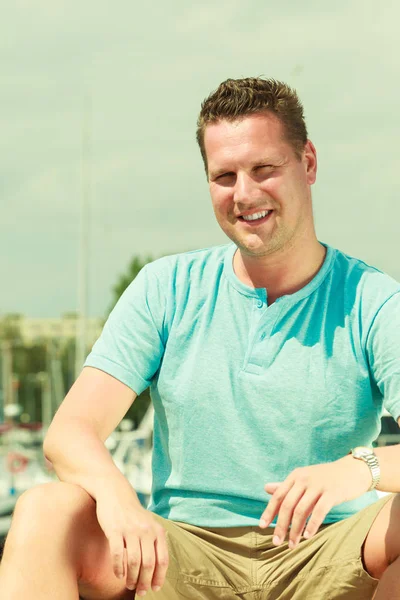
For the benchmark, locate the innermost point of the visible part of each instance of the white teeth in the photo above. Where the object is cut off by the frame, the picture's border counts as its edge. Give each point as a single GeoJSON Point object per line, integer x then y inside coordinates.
{"type": "Point", "coordinates": [256, 216]}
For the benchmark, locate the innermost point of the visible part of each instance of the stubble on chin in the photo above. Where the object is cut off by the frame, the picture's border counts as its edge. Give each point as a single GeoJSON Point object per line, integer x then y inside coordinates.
{"type": "Point", "coordinates": [257, 248]}
{"type": "Point", "coordinates": [254, 249]}
{"type": "Point", "coordinates": [265, 247]}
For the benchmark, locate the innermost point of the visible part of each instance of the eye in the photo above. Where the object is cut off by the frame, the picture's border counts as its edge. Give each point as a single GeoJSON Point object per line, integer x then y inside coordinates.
{"type": "Point", "coordinates": [262, 172]}
{"type": "Point", "coordinates": [224, 177]}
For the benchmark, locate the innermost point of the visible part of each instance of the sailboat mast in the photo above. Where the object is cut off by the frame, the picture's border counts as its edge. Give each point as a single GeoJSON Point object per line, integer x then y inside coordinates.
{"type": "Point", "coordinates": [83, 257]}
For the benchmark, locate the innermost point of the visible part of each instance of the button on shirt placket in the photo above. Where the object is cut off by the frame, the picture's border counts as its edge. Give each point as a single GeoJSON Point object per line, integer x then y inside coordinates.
{"type": "Point", "coordinates": [266, 317]}
{"type": "Point", "coordinates": [261, 304]}
{"type": "Point", "coordinates": [262, 333]}
{"type": "Point", "coordinates": [262, 307]}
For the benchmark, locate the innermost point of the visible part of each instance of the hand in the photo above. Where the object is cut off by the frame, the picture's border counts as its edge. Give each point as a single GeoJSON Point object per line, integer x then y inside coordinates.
{"type": "Point", "coordinates": [127, 524]}
{"type": "Point", "coordinates": [314, 491]}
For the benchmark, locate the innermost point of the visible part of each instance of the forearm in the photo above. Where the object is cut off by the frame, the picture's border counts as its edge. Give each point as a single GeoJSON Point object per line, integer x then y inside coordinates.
{"type": "Point", "coordinates": [79, 456]}
{"type": "Point", "coordinates": [389, 463]}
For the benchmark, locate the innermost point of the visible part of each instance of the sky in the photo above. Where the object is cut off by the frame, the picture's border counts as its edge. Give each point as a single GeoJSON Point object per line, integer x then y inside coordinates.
{"type": "Point", "coordinates": [133, 76]}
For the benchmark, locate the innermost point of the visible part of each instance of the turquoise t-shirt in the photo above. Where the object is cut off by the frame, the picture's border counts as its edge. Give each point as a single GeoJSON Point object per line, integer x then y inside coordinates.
{"type": "Point", "coordinates": [244, 392]}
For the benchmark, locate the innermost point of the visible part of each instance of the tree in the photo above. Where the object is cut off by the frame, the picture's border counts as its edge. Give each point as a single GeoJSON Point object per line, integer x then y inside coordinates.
{"type": "Point", "coordinates": [138, 409]}
{"type": "Point", "coordinates": [10, 328]}
{"type": "Point", "coordinates": [134, 267]}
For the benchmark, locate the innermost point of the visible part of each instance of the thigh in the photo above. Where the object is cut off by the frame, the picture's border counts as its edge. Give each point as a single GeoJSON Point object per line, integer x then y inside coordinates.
{"type": "Point", "coordinates": [382, 545]}
{"type": "Point", "coordinates": [69, 513]}
{"type": "Point", "coordinates": [329, 565]}
{"type": "Point", "coordinates": [206, 563]}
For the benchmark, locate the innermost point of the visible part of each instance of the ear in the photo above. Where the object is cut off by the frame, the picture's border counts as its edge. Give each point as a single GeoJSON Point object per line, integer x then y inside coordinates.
{"type": "Point", "coordinates": [310, 158]}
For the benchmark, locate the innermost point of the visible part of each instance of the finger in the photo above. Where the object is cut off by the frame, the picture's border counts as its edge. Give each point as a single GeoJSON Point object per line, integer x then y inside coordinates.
{"type": "Point", "coordinates": [162, 560]}
{"type": "Point", "coordinates": [286, 512]}
{"type": "Point", "coordinates": [116, 543]}
{"type": "Point", "coordinates": [270, 488]}
{"type": "Point", "coordinates": [147, 564]}
{"type": "Point", "coordinates": [300, 515]}
{"type": "Point", "coordinates": [323, 506]}
{"type": "Point", "coordinates": [275, 502]}
{"type": "Point", "coordinates": [133, 560]}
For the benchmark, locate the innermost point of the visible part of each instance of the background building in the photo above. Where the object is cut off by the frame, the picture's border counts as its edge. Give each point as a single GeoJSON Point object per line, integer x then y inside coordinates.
{"type": "Point", "coordinates": [28, 330]}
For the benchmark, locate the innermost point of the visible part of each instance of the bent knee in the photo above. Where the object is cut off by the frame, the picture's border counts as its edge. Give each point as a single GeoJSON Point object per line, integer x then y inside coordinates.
{"type": "Point", "coordinates": [382, 544]}
{"type": "Point", "coordinates": [53, 499]}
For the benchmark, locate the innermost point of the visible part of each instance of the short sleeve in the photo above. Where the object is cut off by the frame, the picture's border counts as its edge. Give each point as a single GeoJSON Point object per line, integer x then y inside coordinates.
{"type": "Point", "coordinates": [383, 350]}
{"type": "Point", "coordinates": [131, 345]}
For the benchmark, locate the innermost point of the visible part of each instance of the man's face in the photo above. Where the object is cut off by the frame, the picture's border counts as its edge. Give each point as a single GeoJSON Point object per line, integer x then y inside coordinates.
{"type": "Point", "coordinates": [251, 168]}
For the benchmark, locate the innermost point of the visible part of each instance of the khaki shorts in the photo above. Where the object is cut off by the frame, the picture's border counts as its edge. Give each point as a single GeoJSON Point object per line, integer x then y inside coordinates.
{"type": "Point", "coordinates": [241, 562]}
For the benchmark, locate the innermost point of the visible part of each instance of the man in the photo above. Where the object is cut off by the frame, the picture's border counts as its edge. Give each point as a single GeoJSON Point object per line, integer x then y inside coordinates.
{"type": "Point", "coordinates": [269, 360]}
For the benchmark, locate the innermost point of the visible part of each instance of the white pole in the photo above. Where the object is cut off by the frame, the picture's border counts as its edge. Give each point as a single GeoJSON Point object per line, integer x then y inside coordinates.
{"type": "Point", "coordinates": [6, 379]}
{"type": "Point", "coordinates": [81, 334]}
{"type": "Point", "coordinates": [56, 376]}
{"type": "Point", "coordinates": [47, 413]}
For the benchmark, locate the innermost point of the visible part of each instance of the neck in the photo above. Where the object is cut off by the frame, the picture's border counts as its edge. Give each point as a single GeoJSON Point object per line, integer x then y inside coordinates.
{"type": "Point", "coordinates": [283, 272]}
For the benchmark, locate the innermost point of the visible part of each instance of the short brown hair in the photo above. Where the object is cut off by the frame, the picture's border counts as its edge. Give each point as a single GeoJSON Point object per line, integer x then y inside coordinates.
{"type": "Point", "coordinates": [238, 98]}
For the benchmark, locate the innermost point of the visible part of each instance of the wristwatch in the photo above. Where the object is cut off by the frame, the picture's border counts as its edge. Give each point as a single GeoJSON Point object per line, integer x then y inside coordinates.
{"type": "Point", "coordinates": [369, 457]}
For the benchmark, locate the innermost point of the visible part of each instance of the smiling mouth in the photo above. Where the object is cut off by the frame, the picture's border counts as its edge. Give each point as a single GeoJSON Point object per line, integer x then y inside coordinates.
{"type": "Point", "coordinates": [255, 222]}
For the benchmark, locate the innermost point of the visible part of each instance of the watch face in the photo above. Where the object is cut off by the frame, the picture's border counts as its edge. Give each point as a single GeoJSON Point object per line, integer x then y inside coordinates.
{"type": "Point", "coordinates": [362, 451]}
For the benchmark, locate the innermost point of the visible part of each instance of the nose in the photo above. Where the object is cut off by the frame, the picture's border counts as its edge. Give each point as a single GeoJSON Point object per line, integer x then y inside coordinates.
{"type": "Point", "coordinates": [244, 190]}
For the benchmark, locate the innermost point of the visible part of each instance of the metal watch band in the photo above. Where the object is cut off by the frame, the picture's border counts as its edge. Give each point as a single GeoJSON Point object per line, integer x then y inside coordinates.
{"type": "Point", "coordinates": [373, 464]}
{"type": "Point", "coordinates": [372, 461]}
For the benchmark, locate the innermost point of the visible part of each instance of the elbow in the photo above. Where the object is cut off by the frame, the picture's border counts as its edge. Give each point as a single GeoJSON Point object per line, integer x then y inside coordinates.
{"type": "Point", "coordinates": [48, 463]}
{"type": "Point", "coordinates": [54, 437]}
{"type": "Point", "coordinates": [50, 443]}
{"type": "Point", "coordinates": [47, 449]}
